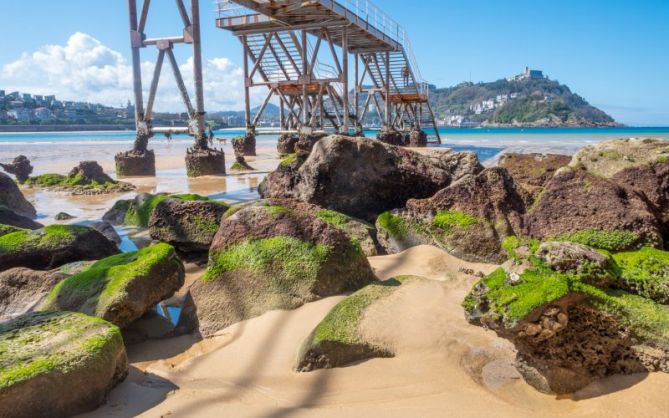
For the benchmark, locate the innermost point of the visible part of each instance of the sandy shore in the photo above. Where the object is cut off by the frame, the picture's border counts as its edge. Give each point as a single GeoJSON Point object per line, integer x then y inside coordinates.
{"type": "Point", "coordinates": [444, 367]}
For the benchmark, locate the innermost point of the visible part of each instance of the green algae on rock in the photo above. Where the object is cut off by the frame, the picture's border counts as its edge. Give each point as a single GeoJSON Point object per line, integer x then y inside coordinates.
{"type": "Point", "coordinates": [275, 255]}
{"type": "Point", "coordinates": [359, 231]}
{"type": "Point", "coordinates": [120, 288]}
{"type": "Point", "coordinates": [52, 246]}
{"type": "Point", "coordinates": [571, 328]}
{"type": "Point", "coordinates": [87, 178]}
{"type": "Point", "coordinates": [336, 340]}
{"type": "Point", "coordinates": [58, 364]}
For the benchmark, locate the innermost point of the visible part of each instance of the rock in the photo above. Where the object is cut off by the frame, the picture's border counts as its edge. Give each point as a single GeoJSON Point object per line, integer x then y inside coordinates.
{"type": "Point", "coordinates": [121, 288]}
{"type": "Point", "coordinates": [337, 341]}
{"type": "Point", "coordinates": [644, 272]}
{"type": "Point", "coordinates": [135, 163]}
{"type": "Point", "coordinates": [286, 144]}
{"type": "Point", "coordinates": [245, 145]}
{"type": "Point", "coordinates": [532, 171]}
{"type": "Point", "coordinates": [137, 212]}
{"type": "Point", "coordinates": [392, 137]}
{"type": "Point", "coordinates": [22, 289]}
{"type": "Point", "coordinates": [106, 229]}
{"type": "Point", "coordinates": [12, 198]}
{"type": "Point", "coordinates": [62, 216]}
{"type": "Point", "coordinates": [204, 162]}
{"type": "Point", "coordinates": [53, 246]}
{"type": "Point", "coordinates": [306, 143]}
{"type": "Point", "coordinates": [58, 364]}
{"type": "Point", "coordinates": [90, 171]}
{"type": "Point", "coordinates": [20, 167]}
{"type": "Point", "coordinates": [9, 218]}
{"type": "Point", "coordinates": [116, 215]}
{"type": "Point", "coordinates": [417, 138]}
{"type": "Point", "coordinates": [240, 164]}
{"type": "Point", "coordinates": [581, 207]}
{"type": "Point", "coordinates": [363, 178]}
{"type": "Point", "coordinates": [359, 231]}
{"type": "Point", "coordinates": [274, 255]}
{"type": "Point", "coordinates": [469, 219]}
{"type": "Point", "coordinates": [570, 332]}
{"type": "Point", "coordinates": [571, 257]}
{"type": "Point", "coordinates": [190, 226]}
{"type": "Point", "coordinates": [87, 178]}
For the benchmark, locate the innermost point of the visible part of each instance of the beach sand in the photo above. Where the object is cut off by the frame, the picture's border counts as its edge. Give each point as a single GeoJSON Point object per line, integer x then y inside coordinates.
{"type": "Point", "coordinates": [443, 366]}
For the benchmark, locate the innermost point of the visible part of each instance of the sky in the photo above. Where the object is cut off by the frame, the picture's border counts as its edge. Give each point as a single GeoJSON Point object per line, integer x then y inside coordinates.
{"type": "Point", "coordinates": [614, 53]}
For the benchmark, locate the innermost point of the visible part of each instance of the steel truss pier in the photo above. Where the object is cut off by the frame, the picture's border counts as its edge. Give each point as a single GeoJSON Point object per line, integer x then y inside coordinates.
{"type": "Point", "coordinates": [130, 163]}
{"type": "Point", "coordinates": [299, 51]}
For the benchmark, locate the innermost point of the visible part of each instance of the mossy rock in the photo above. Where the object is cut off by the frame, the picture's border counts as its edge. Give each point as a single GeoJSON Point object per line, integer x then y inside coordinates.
{"type": "Point", "coordinates": [22, 289]}
{"type": "Point", "coordinates": [610, 157]}
{"type": "Point", "coordinates": [8, 229]}
{"type": "Point", "coordinates": [52, 246]}
{"type": "Point", "coordinates": [189, 225]}
{"type": "Point", "coordinates": [336, 341]}
{"type": "Point", "coordinates": [570, 328]}
{"type": "Point", "coordinates": [120, 288]}
{"type": "Point", "coordinates": [58, 364]}
{"type": "Point", "coordinates": [360, 232]}
{"type": "Point", "coordinates": [275, 255]}
{"type": "Point", "coordinates": [138, 211]}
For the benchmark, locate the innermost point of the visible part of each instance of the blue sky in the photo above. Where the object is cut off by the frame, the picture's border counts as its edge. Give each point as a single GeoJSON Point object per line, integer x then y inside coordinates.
{"type": "Point", "coordinates": [614, 53]}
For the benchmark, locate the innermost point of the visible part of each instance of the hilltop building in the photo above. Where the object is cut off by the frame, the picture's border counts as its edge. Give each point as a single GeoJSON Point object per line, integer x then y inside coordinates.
{"type": "Point", "coordinates": [528, 75]}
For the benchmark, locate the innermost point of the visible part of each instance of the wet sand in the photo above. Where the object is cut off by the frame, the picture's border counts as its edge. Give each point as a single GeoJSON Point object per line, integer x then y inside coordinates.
{"type": "Point", "coordinates": [443, 367]}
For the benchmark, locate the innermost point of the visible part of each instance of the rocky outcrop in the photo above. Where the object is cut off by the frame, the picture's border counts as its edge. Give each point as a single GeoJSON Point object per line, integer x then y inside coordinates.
{"type": "Point", "coordinates": [20, 167]}
{"type": "Point", "coordinates": [87, 178]}
{"type": "Point", "coordinates": [121, 288]}
{"type": "Point", "coordinates": [532, 171]}
{"type": "Point", "coordinates": [189, 226]}
{"type": "Point", "coordinates": [392, 137]}
{"type": "Point", "coordinates": [22, 289]}
{"type": "Point", "coordinates": [274, 255]}
{"type": "Point", "coordinates": [469, 219]}
{"type": "Point", "coordinates": [580, 206]}
{"type": "Point", "coordinates": [363, 178]}
{"type": "Point", "coordinates": [58, 364]}
{"type": "Point", "coordinates": [286, 144]}
{"type": "Point", "coordinates": [9, 218]}
{"type": "Point", "coordinates": [571, 328]}
{"type": "Point", "coordinates": [12, 198]}
{"type": "Point", "coordinates": [53, 246]}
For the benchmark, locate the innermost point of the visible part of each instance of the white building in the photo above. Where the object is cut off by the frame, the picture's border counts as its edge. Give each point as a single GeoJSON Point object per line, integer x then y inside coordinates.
{"type": "Point", "coordinates": [20, 115]}
{"type": "Point", "coordinates": [42, 113]}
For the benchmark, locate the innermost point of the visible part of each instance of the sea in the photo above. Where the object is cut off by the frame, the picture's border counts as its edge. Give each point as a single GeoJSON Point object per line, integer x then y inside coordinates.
{"type": "Point", "coordinates": [487, 143]}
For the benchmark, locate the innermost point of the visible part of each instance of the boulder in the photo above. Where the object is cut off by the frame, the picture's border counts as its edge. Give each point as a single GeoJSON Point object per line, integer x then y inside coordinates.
{"type": "Point", "coordinates": [469, 219]}
{"type": "Point", "coordinates": [572, 257]}
{"type": "Point", "coordinates": [286, 144]}
{"type": "Point", "coordinates": [274, 255]}
{"type": "Point", "coordinates": [20, 167]}
{"type": "Point", "coordinates": [640, 166]}
{"type": "Point", "coordinates": [63, 216]}
{"type": "Point", "coordinates": [360, 232]}
{"type": "Point", "coordinates": [569, 329]}
{"type": "Point", "coordinates": [189, 225]}
{"type": "Point", "coordinates": [121, 288]}
{"type": "Point", "coordinates": [417, 138]}
{"type": "Point", "coordinates": [116, 215]}
{"type": "Point", "coordinates": [22, 289]}
{"type": "Point", "coordinates": [532, 171]}
{"type": "Point", "coordinates": [363, 178]}
{"type": "Point", "coordinates": [9, 218]}
{"type": "Point", "coordinates": [138, 211]}
{"type": "Point", "coordinates": [644, 272]}
{"type": "Point", "coordinates": [579, 206]}
{"type": "Point", "coordinates": [240, 164]}
{"type": "Point", "coordinates": [87, 178]}
{"type": "Point", "coordinates": [58, 364]}
{"type": "Point", "coordinates": [337, 341]}
{"type": "Point", "coordinates": [392, 137]}
{"type": "Point", "coordinates": [107, 229]}
{"type": "Point", "coordinates": [53, 246]}
{"type": "Point", "coordinates": [12, 198]}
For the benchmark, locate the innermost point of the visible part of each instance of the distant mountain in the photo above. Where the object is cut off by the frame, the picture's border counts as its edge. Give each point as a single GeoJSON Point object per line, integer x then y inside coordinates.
{"type": "Point", "coordinates": [522, 101]}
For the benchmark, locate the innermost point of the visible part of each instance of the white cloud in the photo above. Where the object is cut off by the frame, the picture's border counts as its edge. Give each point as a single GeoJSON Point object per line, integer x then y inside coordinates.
{"type": "Point", "coordinates": [84, 69]}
